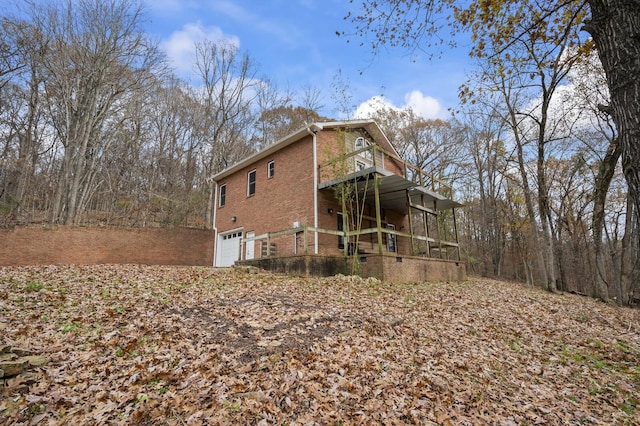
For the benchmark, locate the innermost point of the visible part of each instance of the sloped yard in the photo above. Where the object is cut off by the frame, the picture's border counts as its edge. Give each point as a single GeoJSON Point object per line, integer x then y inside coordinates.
{"type": "Point", "coordinates": [169, 345]}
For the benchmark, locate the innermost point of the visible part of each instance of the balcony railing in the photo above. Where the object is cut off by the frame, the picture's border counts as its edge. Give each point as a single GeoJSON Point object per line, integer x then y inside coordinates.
{"type": "Point", "coordinates": [380, 159]}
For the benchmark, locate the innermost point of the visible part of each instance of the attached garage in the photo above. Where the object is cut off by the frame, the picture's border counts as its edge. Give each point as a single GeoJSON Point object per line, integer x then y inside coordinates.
{"type": "Point", "coordinates": [228, 249]}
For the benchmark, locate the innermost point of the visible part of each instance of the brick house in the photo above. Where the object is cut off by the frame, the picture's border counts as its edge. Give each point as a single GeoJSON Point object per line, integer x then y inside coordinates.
{"type": "Point", "coordinates": [336, 197]}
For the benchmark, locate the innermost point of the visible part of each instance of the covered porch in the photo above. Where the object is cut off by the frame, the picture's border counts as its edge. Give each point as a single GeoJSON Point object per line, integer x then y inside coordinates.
{"type": "Point", "coordinates": [429, 229]}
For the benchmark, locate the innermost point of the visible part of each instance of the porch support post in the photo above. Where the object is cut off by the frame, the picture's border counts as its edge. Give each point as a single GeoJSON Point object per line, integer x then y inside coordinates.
{"type": "Point", "coordinates": [455, 231]}
{"type": "Point", "coordinates": [435, 209]}
{"type": "Point", "coordinates": [345, 224]}
{"type": "Point", "coordinates": [425, 218]}
{"type": "Point", "coordinates": [376, 191]}
{"type": "Point", "coordinates": [411, 248]}
{"type": "Point", "coordinates": [268, 244]}
{"type": "Point", "coordinates": [304, 239]}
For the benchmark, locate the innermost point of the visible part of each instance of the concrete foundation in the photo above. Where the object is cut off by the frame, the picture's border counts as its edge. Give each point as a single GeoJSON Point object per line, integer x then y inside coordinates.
{"type": "Point", "coordinates": [388, 268]}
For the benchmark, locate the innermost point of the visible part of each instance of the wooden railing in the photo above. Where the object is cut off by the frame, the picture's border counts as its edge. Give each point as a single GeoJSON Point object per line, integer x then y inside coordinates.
{"type": "Point", "coordinates": [302, 241]}
{"type": "Point", "coordinates": [345, 164]}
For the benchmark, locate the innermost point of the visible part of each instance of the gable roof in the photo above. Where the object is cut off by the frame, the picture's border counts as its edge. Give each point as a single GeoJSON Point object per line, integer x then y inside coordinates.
{"type": "Point", "coordinates": [369, 125]}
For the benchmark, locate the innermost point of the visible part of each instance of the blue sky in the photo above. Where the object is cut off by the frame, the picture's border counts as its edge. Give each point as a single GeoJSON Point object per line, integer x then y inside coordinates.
{"type": "Point", "coordinates": [294, 44]}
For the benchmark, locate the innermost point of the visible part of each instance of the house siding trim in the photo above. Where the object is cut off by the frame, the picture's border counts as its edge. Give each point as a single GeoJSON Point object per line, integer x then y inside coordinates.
{"type": "Point", "coordinates": [315, 187]}
{"type": "Point", "coordinates": [213, 225]}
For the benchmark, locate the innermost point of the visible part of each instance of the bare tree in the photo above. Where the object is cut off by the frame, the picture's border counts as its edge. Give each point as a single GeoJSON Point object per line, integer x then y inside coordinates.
{"type": "Point", "coordinates": [486, 147]}
{"type": "Point", "coordinates": [433, 145]}
{"type": "Point", "coordinates": [228, 89]}
{"type": "Point", "coordinates": [12, 48]}
{"type": "Point", "coordinates": [96, 56]}
{"type": "Point", "coordinates": [312, 100]}
{"type": "Point", "coordinates": [268, 99]}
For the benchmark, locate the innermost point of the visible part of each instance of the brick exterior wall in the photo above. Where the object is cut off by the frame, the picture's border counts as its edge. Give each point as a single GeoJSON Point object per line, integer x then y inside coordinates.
{"type": "Point", "coordinates": [278, 201]}
{"type": "Point", "coordinates": [72, 245]}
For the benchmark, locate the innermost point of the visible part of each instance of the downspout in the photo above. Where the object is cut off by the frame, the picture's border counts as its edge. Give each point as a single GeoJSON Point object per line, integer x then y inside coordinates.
{"type": "Point", "coordinates": [215, 230]}
{"type": "Point", "coordinates": [315, 189]}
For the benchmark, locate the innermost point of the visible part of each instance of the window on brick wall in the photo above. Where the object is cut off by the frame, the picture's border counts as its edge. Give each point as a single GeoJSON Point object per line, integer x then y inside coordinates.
{"type": "Point", "coordinates": [251, 183]}
{"type": "Point", "coordinates": [223, 195]}
{"type": "Point", "coordinates": [271, 168]}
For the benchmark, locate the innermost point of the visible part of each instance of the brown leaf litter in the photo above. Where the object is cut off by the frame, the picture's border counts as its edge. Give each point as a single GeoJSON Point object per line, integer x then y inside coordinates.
{"type": "Point", "coordinates": [131, 344]}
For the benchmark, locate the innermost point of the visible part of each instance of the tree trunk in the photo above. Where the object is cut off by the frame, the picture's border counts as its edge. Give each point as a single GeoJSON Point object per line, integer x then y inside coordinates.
{"type": "Point", "coordinates": [623, 289]}
{"type": "Point", "coordinates": [28, 150]}
{"type": "Point", "coordinates": [537, 246]}
{"type": "Point", "coordinates": [605, 174]}
{"type": "Point", "coordinates": [615, 27]}
{"type": "Point", "coordinates": [545, 213]}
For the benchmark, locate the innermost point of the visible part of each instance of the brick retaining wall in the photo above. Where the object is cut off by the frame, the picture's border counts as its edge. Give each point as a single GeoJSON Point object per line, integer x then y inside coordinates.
{"type": "Point", "coordinates": [74, 245]}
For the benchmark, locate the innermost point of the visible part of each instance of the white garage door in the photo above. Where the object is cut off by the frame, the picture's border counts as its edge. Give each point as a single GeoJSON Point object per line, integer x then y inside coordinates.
{"type": "Point", "coordinates": [228, 248]}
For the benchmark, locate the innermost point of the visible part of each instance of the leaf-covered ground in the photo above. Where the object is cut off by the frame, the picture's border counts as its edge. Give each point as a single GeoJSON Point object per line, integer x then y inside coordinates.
{"type": "Point", "coordinates": [171, 345]}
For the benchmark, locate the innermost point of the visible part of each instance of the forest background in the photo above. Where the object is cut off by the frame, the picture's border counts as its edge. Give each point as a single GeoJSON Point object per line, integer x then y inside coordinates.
{"type": "Point", "coordinates": [96, 129]}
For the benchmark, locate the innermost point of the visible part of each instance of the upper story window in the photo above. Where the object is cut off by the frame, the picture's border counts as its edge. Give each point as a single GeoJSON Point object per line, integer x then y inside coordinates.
{"type": "Point", "coordinates": [251, 183]}
{"type": "Point", "coordinates": [363, 143]}
{"type": "Point", "coordinates": [223, 195]}
{"type": "Point", "coordinates": [271, 168]}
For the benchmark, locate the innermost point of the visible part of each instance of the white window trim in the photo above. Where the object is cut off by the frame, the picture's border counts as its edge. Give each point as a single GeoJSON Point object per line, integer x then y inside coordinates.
{"type": "Point", "coordinates": [269, 164]}
{"type": "Point", "coordinates": [220, 203]}
{"type": "Point", "coordinates": [255, 178]}
{"type": "Point", "coordinates": [361, 143]}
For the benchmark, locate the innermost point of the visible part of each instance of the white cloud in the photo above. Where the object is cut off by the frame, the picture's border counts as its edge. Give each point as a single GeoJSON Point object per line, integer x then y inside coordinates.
{"type": "Point", "coordinates": [424, 106]}
{"type": "Point", "coordinates": [180, 46]}
{"type": "Point", "coordinates": [367, 108]}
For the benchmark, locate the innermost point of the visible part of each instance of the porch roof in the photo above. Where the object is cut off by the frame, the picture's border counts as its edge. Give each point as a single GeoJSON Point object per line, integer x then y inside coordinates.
{"type": "Point", "coordinates": [392, 190]}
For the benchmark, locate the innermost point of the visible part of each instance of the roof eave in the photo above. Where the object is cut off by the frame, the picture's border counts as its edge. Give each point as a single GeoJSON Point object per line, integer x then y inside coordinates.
{"type": "Point", "coordinates": [369, 124]}
{"type": "Point", "coordinates": [287, 140]}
